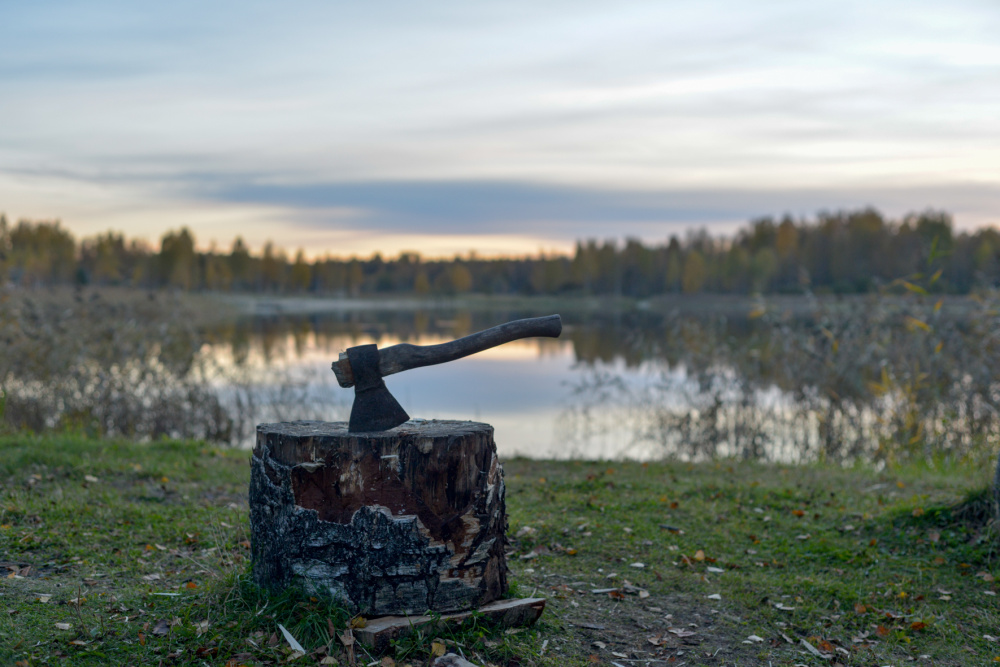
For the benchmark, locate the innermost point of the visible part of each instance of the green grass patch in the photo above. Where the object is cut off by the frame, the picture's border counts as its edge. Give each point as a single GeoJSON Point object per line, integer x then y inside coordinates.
{"type": "Point", "coordinates": [744, 562]}
{"type": "Point", "coordinates": [121, 553]}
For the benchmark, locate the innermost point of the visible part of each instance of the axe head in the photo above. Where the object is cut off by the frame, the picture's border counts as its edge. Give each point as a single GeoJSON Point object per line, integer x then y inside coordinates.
{"type": "Point", "coordinates": [374, 409]}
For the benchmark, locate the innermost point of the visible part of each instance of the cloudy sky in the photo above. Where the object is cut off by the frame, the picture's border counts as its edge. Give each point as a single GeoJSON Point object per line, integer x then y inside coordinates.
{"type": "Point", "coordinates": [350, 127]}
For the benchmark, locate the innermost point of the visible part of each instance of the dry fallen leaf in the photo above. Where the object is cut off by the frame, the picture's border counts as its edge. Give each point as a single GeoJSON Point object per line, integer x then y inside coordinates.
{"type": "Point", "coordinates": [437, 649]}
{"type": "Point", "coordinates": [162, 627]}
{"type": "Point", "coordinates": [44, 598]}
{"type": "Point", "coordinates": [681, 632]}
{"type": "Point", "coordinates": [699, 555]}
{"type": "Point", "coordinates": [755, 638]}
{"type": "Point", "coordinates": [714, 596]}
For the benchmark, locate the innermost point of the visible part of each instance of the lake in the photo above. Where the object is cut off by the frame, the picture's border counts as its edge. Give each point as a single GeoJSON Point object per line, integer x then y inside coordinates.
{"type": "Point", "coordinates": [525, 389]}
{"type": "Point", "coordinates": [579, 396]}
{"type": "Point", "coordinates": [791, 379]}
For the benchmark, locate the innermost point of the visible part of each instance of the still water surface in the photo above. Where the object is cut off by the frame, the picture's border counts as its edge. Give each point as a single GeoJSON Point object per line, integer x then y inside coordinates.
{"type": "Point", "coordinates": [691, 379]}
{"type": "Point", "coordinates": [529, 390]}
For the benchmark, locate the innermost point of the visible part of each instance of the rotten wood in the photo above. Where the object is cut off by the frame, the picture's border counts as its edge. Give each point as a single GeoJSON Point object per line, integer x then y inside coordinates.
{"type": "Point", "coordinates": [395, 522]}
{"type": "Point", "coordinates": [378, 633]}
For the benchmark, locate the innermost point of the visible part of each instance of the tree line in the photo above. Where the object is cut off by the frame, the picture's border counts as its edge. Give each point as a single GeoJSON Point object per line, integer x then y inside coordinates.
{"type": "Point", "coordinates": [840, 252]}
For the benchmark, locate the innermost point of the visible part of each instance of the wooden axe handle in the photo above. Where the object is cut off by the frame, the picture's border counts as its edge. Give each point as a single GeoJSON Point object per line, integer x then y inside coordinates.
{"type": "Point", "coordinates": [404, 356]}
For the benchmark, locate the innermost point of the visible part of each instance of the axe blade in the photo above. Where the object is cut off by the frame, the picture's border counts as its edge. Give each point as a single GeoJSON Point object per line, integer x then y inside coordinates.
{"type": "Point", "coordinates": [375, 409]}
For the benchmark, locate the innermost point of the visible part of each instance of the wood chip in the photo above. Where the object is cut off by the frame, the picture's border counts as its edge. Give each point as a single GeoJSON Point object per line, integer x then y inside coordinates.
{"type": "Point", "coordinates": [815, 651]}
{"type": "Point", "coordinates": [290, 639]}
{"type": "Point", "coordinates": [590, 626]}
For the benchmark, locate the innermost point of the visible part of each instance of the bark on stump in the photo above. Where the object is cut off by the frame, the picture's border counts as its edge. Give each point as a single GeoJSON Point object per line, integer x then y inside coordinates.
{"type": "Point", "coordinates": [395, 522]}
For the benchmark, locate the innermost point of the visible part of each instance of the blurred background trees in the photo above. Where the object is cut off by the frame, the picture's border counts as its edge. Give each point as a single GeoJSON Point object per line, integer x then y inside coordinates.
{"type": "Point", "coordinates": [843, 252]}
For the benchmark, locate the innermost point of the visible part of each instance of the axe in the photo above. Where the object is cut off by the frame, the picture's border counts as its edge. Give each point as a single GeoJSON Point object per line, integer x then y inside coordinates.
{"type": "Point", "coordinates": [364, 366]}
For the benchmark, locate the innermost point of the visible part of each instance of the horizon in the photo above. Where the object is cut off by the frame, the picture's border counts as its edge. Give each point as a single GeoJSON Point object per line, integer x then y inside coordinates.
{"type": "Point", "coordinates": [503, 130]}
{"type": "Point", "coordinates": [691, 237]}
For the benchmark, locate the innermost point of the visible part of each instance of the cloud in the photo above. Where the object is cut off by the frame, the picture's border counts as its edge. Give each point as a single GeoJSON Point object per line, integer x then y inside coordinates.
{"type": "Point", "coordinates": [549, 121]}
{"type": "Point", "coordinates": [567, 213]}
{"type": "Point", "coordinates": [463, 207]}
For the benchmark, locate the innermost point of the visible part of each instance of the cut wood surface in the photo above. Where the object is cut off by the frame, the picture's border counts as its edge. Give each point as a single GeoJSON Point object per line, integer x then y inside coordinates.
{"type": "Point", "coordinates": [402, 521]}
{"type": "Point", "coordinates": [378, 633]}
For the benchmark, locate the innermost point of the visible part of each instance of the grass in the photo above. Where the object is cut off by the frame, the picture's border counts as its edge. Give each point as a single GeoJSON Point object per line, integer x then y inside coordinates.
{"type": "Point", "coordinates": [141, 550]}
{"type": "Point", "coordinates": [872, 568]}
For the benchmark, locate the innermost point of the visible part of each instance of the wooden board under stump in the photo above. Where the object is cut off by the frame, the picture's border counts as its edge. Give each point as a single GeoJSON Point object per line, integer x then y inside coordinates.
{"type": "Point", "coordinates": [398, 522]}
{"type": "Point", "coordinates": [378, 633]}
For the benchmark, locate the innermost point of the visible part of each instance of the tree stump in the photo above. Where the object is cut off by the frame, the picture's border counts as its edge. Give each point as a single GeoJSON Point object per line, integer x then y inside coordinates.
{"type": "Point", "coordinates": [395, 522]}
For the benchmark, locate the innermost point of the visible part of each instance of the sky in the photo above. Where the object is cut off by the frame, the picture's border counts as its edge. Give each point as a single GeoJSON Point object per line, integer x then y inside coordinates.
{"type": "Point", "coordinates": [501, 127]}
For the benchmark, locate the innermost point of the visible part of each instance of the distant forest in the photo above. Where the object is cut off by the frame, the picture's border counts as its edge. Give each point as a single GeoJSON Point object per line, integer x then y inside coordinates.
{"type": "Point", "coordinates": [843, 252]}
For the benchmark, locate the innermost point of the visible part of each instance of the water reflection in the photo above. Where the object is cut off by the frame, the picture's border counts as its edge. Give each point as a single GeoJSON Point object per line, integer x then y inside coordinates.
{"type": "Point", "coordinates": [572, 397]}
{"type": "Point", "coordinates": [796, 380]}
{"type": "Point", "coordinates": [838, 381]}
